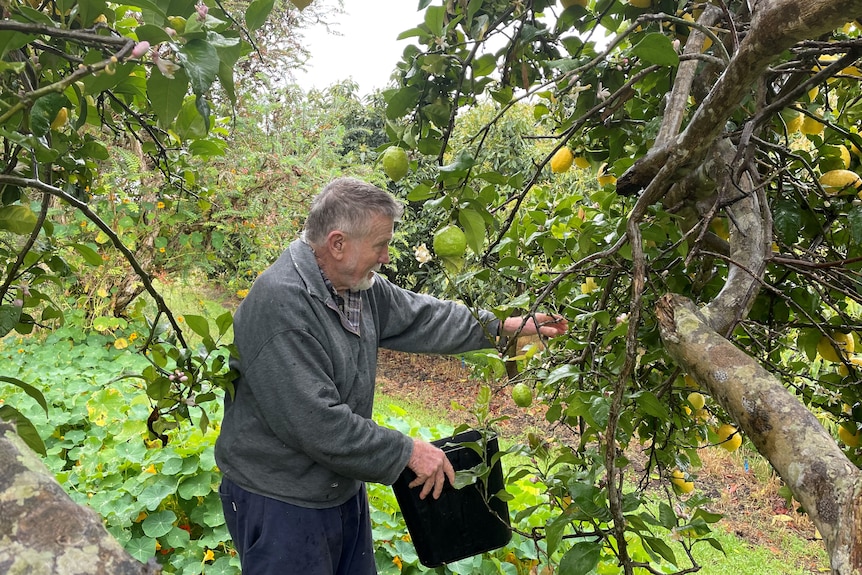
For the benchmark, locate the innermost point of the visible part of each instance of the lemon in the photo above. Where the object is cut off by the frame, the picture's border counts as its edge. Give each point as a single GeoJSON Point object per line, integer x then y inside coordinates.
{"type": "Point", "coordinates": [60, 119]}
{"type": "Point", "coordinates": [720, 228]}
{"type": "Point", "coordinates": [178, 23]}
{"type": "Point", "coordinates": [679, 482]}
{"type": "Point", "coordinates": [450, 242]}
{"type": "Point", "coordinates": [696, 400]}
{"type": "Point", "coordinates": [522, 395]}
{"type": "Point", "coordinates": [811, 126]}
{"type": "Point", "coordinates": [843, 341]}
{"type": "Point", "coordinates": [856, 362]}
{"type": "Point", "coordinates": [605, 178]}
{"type": "Point", "coordinates": [848, 437]}
{"type": "Point", "coordinates": [562, 160]}
{"type": "Point", "coordinates": [395, 163]}
{"type": "Point", "coordinates": [845, 155]}
{"type": "Point", "coordinates": [792, 119]}
{"type": "Point", "coordinates": [582, 162]}
{"type": "Point", "coordinates": [836, 181]}
{"type": "Point", "coordinates": [728, 437]}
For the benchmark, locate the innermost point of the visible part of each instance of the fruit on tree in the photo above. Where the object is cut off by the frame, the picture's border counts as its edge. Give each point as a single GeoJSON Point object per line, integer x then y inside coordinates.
{"type": "Point", "coordinates": [844, 371]}
{"type": "Point", "coordinates": [582, 162]}
{"type": "Point", "coordinates": [836, 181]}
{"type": "Point", "coordinates": [522, 395]}
{"type": "Point", "coordinates": [843, 341]}
{"type": "Point", "coordinates": [395, 163]}
{"type": "Point", "coordinates": [696, 400]}
{"type": "Point", "coordinates": [60, 119]}
{"type": "Point", "coordinates": [729, 437]}
{"type": "Point", "coordinates": [604, 178]}
{"type": "Point", "coordinates": [562, 160]}
{"type": "Point", "coordinates": [849, 438]}
{"type": "Point", "coordinates": [811, 126]}
{"type": "Point", "coordinates": [680, 484]}
{"type": "Point", "coordinates": [450, 242]}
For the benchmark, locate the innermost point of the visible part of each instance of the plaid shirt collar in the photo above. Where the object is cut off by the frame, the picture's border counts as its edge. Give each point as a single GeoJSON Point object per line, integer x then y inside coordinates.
{"type": "Point", "coordinates": [349, 307]}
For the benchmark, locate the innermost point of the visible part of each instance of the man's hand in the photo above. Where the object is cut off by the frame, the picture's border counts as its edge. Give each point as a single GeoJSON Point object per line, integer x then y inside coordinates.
{"type": "Point", "coordinates": [540, 323]}
{"type": "Point", "coordinates": [431, 467]}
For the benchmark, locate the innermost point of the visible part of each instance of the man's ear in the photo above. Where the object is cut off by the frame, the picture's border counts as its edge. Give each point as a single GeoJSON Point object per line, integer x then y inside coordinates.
{"type": "Point", "coordinates": [335, 244]}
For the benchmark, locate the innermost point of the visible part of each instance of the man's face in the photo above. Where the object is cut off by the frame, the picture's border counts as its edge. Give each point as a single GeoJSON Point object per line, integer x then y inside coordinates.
{"type": "Point", "coordinates": [363, 256]}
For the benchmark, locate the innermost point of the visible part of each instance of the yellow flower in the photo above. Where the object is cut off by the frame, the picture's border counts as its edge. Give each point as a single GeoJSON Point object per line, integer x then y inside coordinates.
{"type": "Point", "coordinates": [160, 205]}
{"type": "Point", "coordinates": [151, 469]}
{"type": "Point", "coordinates": [133, 336]}
{"type": "Point", "coordinates": [242, 293]}
{"type": "Point", "coordinates": [161, 250]}
{"type": "Point", "coordinates": [180, 319]}
{"type": "Point", "coordinates": [397, 561]}
{"type": "Point", "coordinates": [209, 555]}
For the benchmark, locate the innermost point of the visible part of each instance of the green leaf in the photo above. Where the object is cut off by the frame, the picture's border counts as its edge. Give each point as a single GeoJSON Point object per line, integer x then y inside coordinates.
{"type": "Point", "coordinates": [581, 559]}
{"type": "Point", "coordinates": [435, 17]}
{"type": "Point", "coordinates": [257, 13]}
{"type": "Point", "coordinates": [660, 547]}
{"type": "Point", "coordinates": [201, 62]}
{"type": "Point", "coordinates": [652, 406]}
{"type": "Point", "coordinates": [399, 102]}
{"type": "Point", "coordinates": [224, 322]}
{"type": "Point", "coordinates": [10, 41]}
{"type": "Point", "coordinates": [198, 324]}
{"type": "Point", "coordinates": [656, 49]}
{"type": "Point", "coordinates": [10, 315]}
{"type": "Point", "coordinates": [190, 124]}
{"type": "Point", "coordinates": [27, 388]}
{"type": "Point", "coordinates": [474, 228]}
{"type": "Point", "coordinates": [167, 95]}
{"type": "Point", "coordinates": [44, 111]}
{"type": "Point", "coordinates": [141, 548]}
{"type": "Point", "coordinates": [17, 219]}
{"type": "Point", "coordinates": [854, 223]}
{"type": "Point", "coordinates": [787, 220]}
{"type": "Point", "coordinates": [198, 485]}
{"type": "Point", "coordinates": [26, 431]}
{"type": "Point", "coordinates": [159, 524]}
{"type": "Point", "coordinates": [155, 35]}
{"type": "Point", "coordinates": [90, 255]}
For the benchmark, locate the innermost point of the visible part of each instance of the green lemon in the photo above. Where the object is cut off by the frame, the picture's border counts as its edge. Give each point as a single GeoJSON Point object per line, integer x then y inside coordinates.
{"type": "Point", "coordinates": [450, 242]}
{"type": "Point", "coordinates": [522, 394]}
{"type": "Point", "coordinates": [395, 163]}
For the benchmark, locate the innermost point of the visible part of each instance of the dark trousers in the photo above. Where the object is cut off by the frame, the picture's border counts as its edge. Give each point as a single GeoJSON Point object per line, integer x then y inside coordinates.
{"type": "Point", "coordinates": [277, 538]}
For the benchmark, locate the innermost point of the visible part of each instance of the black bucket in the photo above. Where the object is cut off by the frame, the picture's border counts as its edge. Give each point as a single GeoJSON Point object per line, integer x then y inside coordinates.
{"type": "Point", "coordinates": [459, 524]}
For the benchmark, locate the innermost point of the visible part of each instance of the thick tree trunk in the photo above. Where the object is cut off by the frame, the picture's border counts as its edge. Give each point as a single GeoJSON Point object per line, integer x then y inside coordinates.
{"type": "Point", "coordinates": [783, 430]}
{"type": "Point", "coordinates": [42, 530]}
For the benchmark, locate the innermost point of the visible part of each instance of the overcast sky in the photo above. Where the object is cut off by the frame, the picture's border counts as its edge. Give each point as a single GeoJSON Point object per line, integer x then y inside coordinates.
{"type": "Point", "coordinates": [367, 51]}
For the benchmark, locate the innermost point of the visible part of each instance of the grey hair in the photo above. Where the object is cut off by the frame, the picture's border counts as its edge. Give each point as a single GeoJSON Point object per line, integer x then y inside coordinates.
{"type": "Point", "coordinates": [347, 204]}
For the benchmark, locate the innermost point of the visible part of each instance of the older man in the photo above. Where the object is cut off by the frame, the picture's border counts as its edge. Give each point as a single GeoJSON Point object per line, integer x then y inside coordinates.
{"type": "Point", "coordinates": [298, 443]}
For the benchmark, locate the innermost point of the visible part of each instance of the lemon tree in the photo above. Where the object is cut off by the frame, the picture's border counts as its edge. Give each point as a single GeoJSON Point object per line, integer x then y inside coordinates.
{"type": "Point", "coordinates": [665, 263]}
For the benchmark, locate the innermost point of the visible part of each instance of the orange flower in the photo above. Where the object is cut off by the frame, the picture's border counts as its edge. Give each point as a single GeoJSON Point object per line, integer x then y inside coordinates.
{"type": "Point", "coordinates": [397, 561]}
{"type": "Point", "coordinates": [209, 555]}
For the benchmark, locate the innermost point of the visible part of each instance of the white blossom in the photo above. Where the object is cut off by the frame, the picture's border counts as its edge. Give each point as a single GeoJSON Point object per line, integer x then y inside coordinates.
{"type": "Point", "coordinates": [423, 256]}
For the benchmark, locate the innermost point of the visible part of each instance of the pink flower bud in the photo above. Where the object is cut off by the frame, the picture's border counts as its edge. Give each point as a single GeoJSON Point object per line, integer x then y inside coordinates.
{"type": "Point", "coordinates": [140, 49]}
{"type": "Point", "coordinates": [18, 303]}
{"type": "Point", "coordinates": [202, 9]}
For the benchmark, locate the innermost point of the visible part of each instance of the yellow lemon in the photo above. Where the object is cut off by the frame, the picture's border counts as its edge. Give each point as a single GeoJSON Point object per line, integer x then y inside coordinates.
{"type": "Point", "coordinates": [604, 178]}
{"type": "Point", "coordinates": [522, 395]}
{"type": "Point", "coordinates": [849, 438]}
{"type": "Point", "coordinates": [562, 160]}
{"type": "Point", "coordinates": [582, 162]}
{"type": "Point", "coordinates": [450, 242]}
{"type": "Point", "coordinates": [395, 163]}
{"type": "Point", "coordinates": [843, 341]}
{"type": "Point", "coordinates": [836, 181]}
{"type": "Point", "coordinates": [60, 119]}
{"type": "Point", "coordinates": [843, 371]}
{"type": "Point", "coordinates": [679, 482]}
{"type": "Point", "coordinates": [729, 437]}
{"type": "Point", "coordinates": [811, 126]}
{"type": "Point", "coordinates": [845, 155]}
{"type": "Point", "coordinates": [696, 400]}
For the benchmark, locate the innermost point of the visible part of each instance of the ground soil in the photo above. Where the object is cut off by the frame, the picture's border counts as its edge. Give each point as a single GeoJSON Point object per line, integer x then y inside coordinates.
{"type": "Point", "coordinates": [741, 484]}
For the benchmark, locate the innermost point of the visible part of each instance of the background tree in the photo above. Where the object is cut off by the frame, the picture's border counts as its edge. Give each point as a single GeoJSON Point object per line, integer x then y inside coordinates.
{"type": "Point", "coordinates": [719, 241]}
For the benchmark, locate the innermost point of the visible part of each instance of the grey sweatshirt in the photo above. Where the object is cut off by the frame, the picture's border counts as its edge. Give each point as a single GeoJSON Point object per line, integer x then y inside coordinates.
{"type": "Point", "coordinates": [299, 427]}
